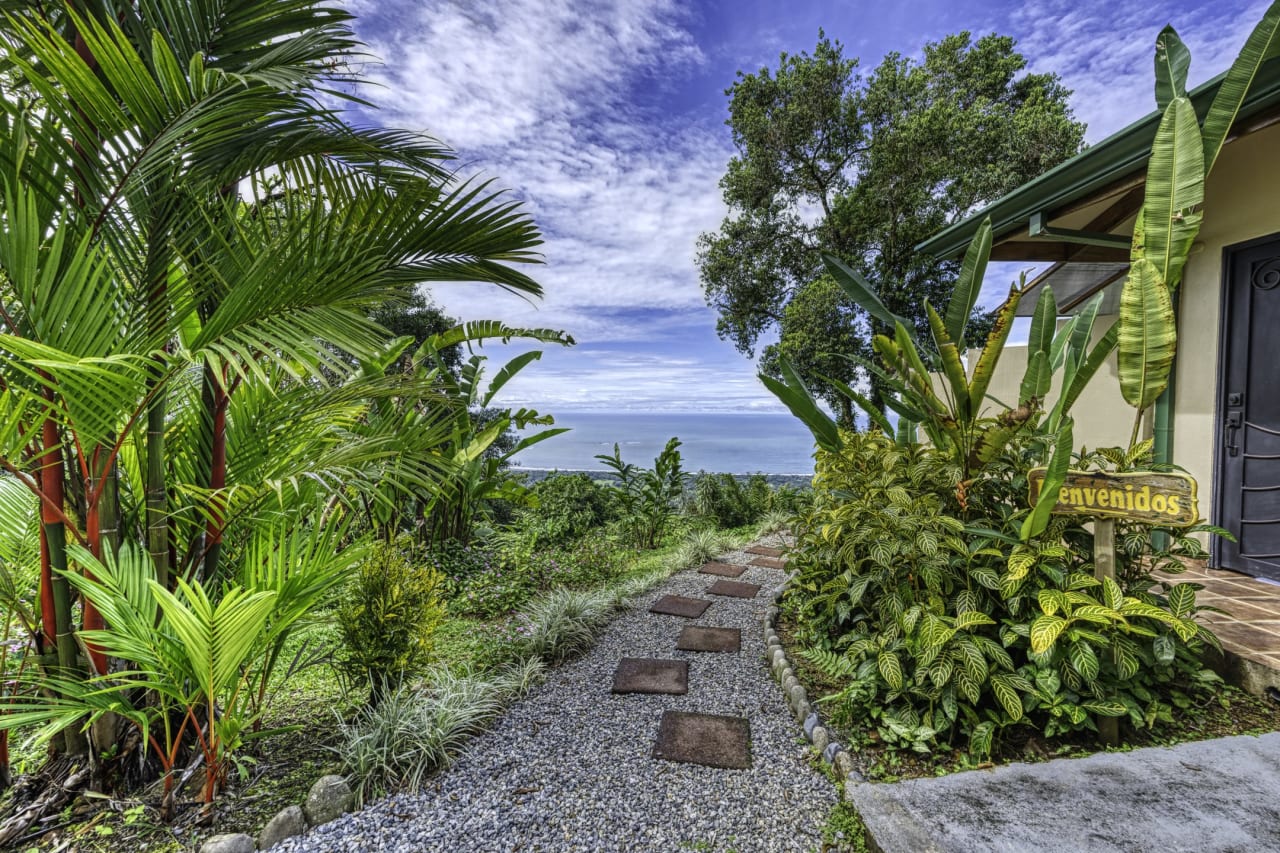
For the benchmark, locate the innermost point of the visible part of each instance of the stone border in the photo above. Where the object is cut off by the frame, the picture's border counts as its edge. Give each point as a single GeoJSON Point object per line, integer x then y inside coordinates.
{"type": "Point", "coordinates": [329, 799]}
{"type": "Point", "coordinates": [831, 751]}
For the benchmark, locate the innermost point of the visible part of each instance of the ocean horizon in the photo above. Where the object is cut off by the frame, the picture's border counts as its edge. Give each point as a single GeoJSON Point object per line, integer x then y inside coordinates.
{"type": "Point", "coordinates": [723, 442]}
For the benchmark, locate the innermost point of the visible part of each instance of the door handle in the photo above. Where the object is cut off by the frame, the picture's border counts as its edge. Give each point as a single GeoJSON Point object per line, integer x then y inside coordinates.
{"type": "Point", "coordinates": [1234, 421]}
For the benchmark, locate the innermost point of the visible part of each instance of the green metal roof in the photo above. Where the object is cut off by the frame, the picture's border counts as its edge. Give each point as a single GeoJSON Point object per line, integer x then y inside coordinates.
{"type": "Point", "coordinates": [1116, 157]}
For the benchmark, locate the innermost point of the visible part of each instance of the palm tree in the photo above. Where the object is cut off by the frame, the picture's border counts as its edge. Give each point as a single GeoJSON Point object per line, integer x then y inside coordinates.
{"type": "Point", "coordinates": [191, 236]}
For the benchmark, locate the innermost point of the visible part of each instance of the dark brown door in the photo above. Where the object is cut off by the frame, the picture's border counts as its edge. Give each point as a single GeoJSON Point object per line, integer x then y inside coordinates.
{"type": "Point", "coordinates": [1247, 498]}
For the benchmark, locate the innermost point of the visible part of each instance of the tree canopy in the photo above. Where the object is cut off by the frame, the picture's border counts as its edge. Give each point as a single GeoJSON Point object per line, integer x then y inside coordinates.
{"type": "Point", "coordinates": [866, 168]}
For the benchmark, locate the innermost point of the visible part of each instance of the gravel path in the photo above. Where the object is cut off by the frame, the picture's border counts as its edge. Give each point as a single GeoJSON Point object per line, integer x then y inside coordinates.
{"type": "Point", "coordinates": [568, 768]}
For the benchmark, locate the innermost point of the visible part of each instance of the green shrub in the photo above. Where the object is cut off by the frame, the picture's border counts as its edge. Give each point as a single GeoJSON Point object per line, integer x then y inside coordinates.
{"type": "Point", "coordinates": [699, 547]}
{"type": "Point", "coordinates": [569, 507]}
{"type": "Point", "coordinates": [565, 622]}
{"type": "Point", "coordinates": [387, 618]}
{"type": "Point", "coordinates": [729, 501]}
{"type": "Point", "coordinates": [585, 564]}
{"type": "Point", "coordinates": [647, 497]}
{"type": "Point", "coordinates": [918, 595]}
{"type": "Point", "coordinates": [396, 744]}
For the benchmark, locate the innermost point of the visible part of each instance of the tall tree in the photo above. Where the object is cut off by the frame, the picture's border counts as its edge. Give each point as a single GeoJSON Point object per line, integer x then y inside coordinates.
{"type": "Point", "coordinates": [866, 168]}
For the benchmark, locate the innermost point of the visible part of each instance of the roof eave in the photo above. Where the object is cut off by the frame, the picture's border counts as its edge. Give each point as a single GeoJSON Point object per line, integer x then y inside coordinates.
{"type": "Point", "coordinates": [1117, 157]}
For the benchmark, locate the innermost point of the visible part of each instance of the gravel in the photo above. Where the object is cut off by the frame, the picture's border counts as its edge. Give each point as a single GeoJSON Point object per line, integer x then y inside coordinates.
{"type": "Point", "coordinates": [568, 767]}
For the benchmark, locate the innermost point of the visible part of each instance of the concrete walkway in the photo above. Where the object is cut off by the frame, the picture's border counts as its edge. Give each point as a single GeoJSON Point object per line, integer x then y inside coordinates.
{"type": "Point", "coordinates": [1217, 795]}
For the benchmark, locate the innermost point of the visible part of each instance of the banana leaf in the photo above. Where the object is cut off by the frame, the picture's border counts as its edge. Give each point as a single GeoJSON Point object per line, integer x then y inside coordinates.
{"type": "Point", "coordinates": [952, 367]}
{"type": "Point", "coordinates": [1056, 474]}
{"type": "Point", "coordinates": [1172, 61]}
{"type": "Point", "coordinates": [1175, 191]}
{"type": "Point", "coordinates": [796, 396]}
{"type": "Point", "coordinates": [992, 351]}
{"type": "Point", "coordinates": [1147, 335]}
{"type": "Point", "coordinates": [859, 290]}
{"type": "Point", "coordinates": [969, 283]}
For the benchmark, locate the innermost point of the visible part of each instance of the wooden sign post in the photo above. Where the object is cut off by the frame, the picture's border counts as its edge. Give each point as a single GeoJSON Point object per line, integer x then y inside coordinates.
{"type": "Point", "coordinates": [1165, 499]}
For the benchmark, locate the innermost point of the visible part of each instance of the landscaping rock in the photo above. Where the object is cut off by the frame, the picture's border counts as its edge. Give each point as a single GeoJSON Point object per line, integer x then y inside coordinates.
{"type": "Point", "coordinates": [288, 823]}
{"type": "Point", "coordinates": [832, 751]}
{"type": "Point", "coordinates": [329, 798]}
{"type": "Point", "coordinates": [820, 738]}
{"type": "Point", "coordinates": [843, 762]}
{"type": "Point", "coordinates": [229, 842]}
{"type": "Point", "coordinates": [810, 723]}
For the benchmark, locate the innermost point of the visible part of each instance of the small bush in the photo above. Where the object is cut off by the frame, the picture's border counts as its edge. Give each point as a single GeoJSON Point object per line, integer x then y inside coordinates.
{"type": "Point", "coordinates": [569, 507]}
{"type": "Point", "coordinates": [396, 744]}
{"type": "Point", "coordinates": [564, 622]}
{"type": "Point", "coordinates": [699, 547]}
{"type": "Point", "coordinates": [777, 521]}
{"type": "Point", "coordinates": [647, 497]}
{"type": "Point", "coordinates": [387, 618]}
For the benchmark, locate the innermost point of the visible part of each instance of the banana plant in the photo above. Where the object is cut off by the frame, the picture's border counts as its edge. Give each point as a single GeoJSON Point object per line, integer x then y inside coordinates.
{"type": "Point", "coordinates": [954, 414]}
{"type": "Point", "coordinates": [1182, 156]}
{"type": "Point", "coordinates": [477, 463]}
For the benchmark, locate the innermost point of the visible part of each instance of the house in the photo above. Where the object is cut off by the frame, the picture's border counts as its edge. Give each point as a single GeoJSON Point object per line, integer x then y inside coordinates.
{"type": "Point", "coordinates": [1221, 418]}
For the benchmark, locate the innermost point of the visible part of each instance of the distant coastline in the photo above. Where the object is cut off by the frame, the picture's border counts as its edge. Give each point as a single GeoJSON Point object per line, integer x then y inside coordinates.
{"type": "Point", "coordinates": [534, 475]}
{"type": "Point", "coordinates": [736, 443]}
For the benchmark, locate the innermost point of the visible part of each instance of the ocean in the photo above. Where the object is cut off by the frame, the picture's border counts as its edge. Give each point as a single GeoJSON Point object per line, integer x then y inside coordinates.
{"type": "Point", "coordinates": [727, 443]}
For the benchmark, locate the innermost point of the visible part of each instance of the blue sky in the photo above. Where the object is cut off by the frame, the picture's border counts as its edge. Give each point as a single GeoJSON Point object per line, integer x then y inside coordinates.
{"type": "Point", "coordinates": [607, 118]}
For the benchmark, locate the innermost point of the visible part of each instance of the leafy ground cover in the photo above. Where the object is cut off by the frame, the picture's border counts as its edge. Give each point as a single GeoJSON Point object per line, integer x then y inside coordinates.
{"type": "Point", "coordinates": [1230, 712]}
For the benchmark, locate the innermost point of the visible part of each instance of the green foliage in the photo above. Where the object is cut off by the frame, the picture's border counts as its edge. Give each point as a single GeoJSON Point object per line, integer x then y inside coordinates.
{"type": "Point", "coordinates": [813, 135]}
{"type": "Point", "coordinates": [387, 616]}
{"type": "Point", "coordinates": [725, 501]}
{"type": "Point", "coordinates": [478, 454]}
{"type": "Point", "coordinates": [569, 506]}
{"type": "Point", "coordinates": [564, 622]}
{"type": "Point", "coordinates": [190, 661]}
{"type": "Point", "coordinates": [647, 497]}
{"type": "Point", "coordinates": [700, 546]}
{"type": "Point", "coordinates": [396, 744]}
{"type": "Point", "coordinates": [944, 626]}
{"type": "Point", "coordinates": [485, 583]}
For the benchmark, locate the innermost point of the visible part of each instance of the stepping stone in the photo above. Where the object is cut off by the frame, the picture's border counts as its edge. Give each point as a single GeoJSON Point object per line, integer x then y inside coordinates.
{"type": "Point", "coordinates": [649, 675]}
{"type": "Point", "coordinates": [769, 563]}
{"type": "Point", "coordinates": [765, 551]}
{"type": "Point", "coordinates": [734, 589]}
{"type": "Point", "coordinates": [723, 569]}
{"type": "Point", "coordinates": [696, 638]}
{"type": "Point", "coordinates": [679, 605]}
{"type": "Point", "coordinates": [704, 739]}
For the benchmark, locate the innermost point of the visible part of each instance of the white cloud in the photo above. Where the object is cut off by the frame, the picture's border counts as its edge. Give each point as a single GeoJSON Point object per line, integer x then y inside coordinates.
{"type": "Point", "coordinates": [1105, 50]}
{"type": "Point", "coordinates": [542, 94]}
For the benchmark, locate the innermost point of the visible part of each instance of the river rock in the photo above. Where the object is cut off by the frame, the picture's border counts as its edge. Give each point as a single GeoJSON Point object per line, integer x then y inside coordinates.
{"type": "Point", "coordinates": [228, 842]}
{"type": "Point", "coordinates": [288, 823]}
{"type": "Point", "coordinates": [329, 798]}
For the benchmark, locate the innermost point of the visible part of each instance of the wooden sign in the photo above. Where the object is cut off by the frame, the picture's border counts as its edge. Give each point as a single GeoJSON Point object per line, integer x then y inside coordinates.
{"type": "Point", "coordinates": [1168, 500]}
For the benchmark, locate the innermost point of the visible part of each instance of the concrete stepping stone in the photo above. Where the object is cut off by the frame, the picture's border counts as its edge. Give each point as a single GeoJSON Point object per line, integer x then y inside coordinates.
{"type": "Point", "coordinates": [679, 605]}
{"type": "Point", "coordinates": [725, 570]}
{"type": "Point", "coordinates": [769, 563]}
{"type": "Point", "coordinates": [734, 589]}
{"type": "Point", "coordinates": [699, 638]}
{"type": "Point", "coordinates": [651, 675]}
{"type": "Point", "coordinates": [765, 551]}
{"type": "Point", "coordinates": [708, 739]}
